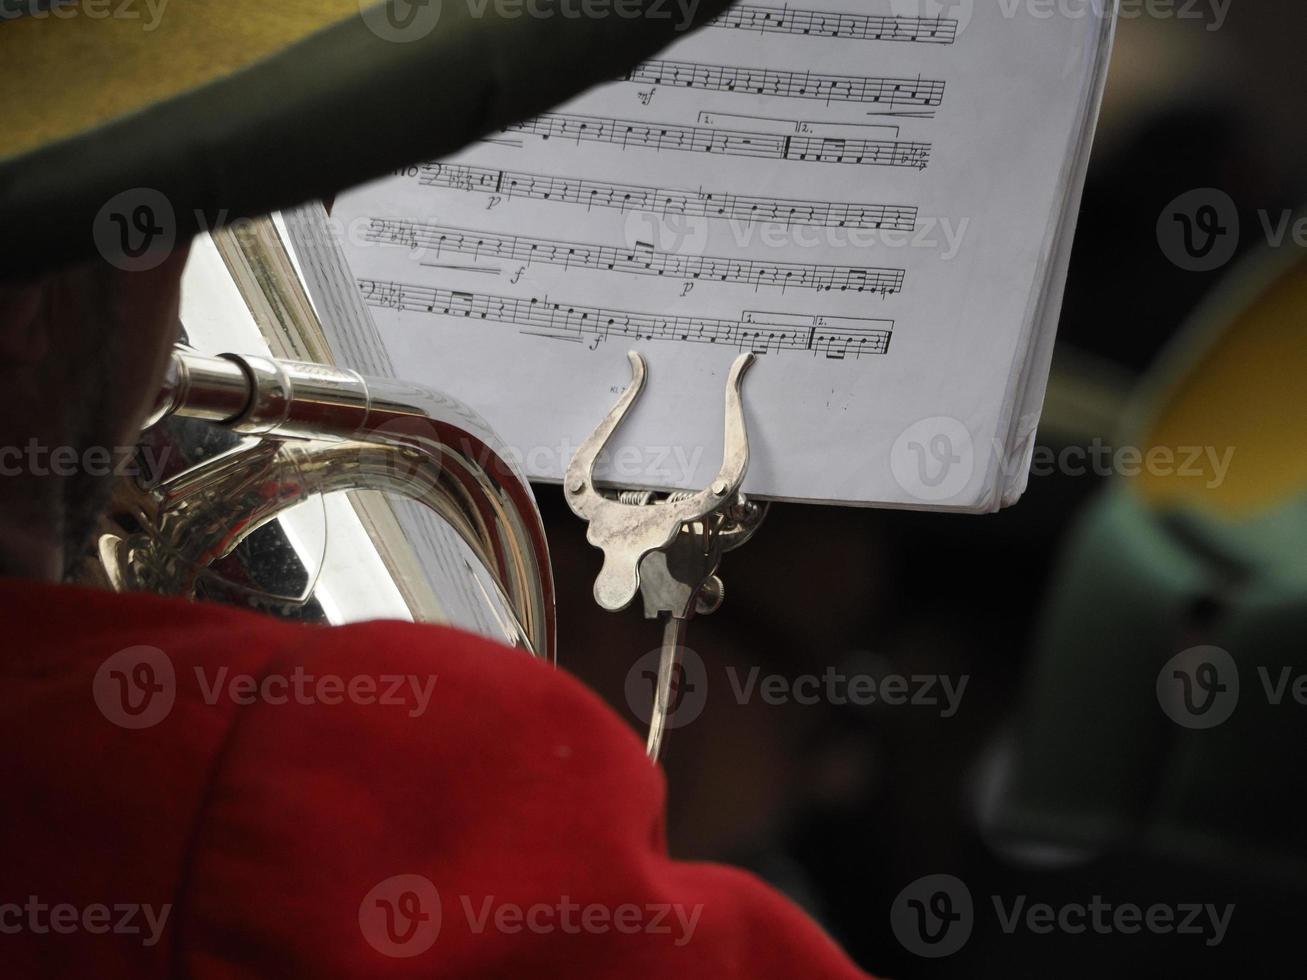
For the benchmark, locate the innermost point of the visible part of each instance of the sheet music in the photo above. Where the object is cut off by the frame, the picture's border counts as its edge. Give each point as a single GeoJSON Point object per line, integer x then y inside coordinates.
{"type": "Point", "coordinates": [878, 204]}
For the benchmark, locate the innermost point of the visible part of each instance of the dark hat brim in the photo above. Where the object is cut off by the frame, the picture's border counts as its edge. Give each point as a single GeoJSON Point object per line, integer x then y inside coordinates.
{"type": "Point", "coordinates": [331, 109]}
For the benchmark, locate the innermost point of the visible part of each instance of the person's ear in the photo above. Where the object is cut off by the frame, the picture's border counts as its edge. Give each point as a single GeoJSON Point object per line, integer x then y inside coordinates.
{"type": "Point", "coordinates": [23, 339]}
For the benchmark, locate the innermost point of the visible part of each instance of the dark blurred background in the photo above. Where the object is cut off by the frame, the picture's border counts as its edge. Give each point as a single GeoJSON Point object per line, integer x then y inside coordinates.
{"type": "Point", "coordinates": [843, 806]}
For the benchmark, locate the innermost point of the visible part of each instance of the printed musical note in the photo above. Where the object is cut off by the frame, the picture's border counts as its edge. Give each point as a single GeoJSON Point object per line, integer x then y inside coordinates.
{"type": "Point", "coordinates": [818, 23]}
{"type": "Point", "coordinates": [657, 200]}
{"type": "Point", "coordinates": [918, 92]}
{"type": "Point", "coordinates": [805, 179]}
{"type": "Point", "coordinates": [706, 139]}
{"type": "Point", "coordinates": [762, 333]}
{"type": "Point", "coordinates": [641, 260]}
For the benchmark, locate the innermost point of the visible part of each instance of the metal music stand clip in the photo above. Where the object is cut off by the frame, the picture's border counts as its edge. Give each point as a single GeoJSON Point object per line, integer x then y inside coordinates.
{"type": "Point", "coordinates": [666, 547]}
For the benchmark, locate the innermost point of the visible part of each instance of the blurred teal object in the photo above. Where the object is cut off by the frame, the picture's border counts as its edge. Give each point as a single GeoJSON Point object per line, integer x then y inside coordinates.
{"type": "Point", "coordinates": [1162, 715]}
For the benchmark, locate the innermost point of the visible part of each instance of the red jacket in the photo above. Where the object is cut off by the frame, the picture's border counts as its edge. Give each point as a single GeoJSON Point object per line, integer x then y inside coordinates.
{"type": "Point", "coordinates": [190, 790]}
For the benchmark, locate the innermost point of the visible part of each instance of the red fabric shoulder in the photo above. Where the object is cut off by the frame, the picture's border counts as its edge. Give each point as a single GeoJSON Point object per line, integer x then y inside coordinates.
{"type": "Point", "coordinates": [375, 800]}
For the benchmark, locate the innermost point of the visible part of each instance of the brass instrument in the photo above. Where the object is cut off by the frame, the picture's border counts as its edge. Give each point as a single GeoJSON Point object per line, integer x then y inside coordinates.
{"type": "Point", "coordinates": [248, 439]}
{"type": "Point", "coordinates": [257, 445]}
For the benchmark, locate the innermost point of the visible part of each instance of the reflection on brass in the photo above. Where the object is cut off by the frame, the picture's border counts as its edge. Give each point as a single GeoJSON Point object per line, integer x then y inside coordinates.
{"type": "Point", "coordinates": [299, 430]}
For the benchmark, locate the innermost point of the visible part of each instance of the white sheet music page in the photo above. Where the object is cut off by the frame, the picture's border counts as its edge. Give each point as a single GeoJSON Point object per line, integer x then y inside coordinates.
{"type": "Point", "coordinates": [876, 199]}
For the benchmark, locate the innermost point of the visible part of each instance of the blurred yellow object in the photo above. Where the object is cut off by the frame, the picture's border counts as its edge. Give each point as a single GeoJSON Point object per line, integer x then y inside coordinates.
{"type": "Point", "coordinates": [1243, 390]}
{"type": "Point", "coordinates": [71, 72]}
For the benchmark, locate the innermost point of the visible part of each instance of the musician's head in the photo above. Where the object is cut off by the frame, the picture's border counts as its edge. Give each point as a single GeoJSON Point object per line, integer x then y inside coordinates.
{"type": "Point", "coordinates": [82, 354]}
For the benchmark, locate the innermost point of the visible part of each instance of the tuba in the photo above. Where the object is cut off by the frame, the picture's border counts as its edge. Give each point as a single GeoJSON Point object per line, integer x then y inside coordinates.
{"type": "Point", "coordinates": [314, 493]}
